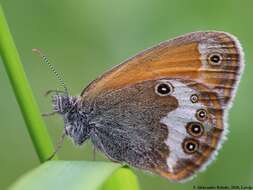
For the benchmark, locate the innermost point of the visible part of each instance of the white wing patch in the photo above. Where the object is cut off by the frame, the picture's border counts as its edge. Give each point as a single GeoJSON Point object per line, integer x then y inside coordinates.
{"type": "Point", "coordinates": [177, 120]}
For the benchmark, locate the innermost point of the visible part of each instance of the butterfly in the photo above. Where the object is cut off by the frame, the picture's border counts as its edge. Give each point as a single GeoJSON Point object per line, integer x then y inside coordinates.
{"type": "Point", "coordinates": [163, 110]}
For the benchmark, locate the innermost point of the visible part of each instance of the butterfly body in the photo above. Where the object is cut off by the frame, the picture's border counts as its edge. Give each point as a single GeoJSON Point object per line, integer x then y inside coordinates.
{"type": "Point", "coordinates": [162, 110]}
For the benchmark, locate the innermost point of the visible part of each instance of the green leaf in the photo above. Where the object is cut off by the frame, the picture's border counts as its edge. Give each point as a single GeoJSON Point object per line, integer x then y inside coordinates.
{"type": "Point", "coordinates": [122, 179]}
{"type": "Point", "coordinates": [77, 175]}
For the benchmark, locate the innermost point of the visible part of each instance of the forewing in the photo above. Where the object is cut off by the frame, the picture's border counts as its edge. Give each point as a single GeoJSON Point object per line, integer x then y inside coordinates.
{"type": "Point", "coordinates": [185, 57]}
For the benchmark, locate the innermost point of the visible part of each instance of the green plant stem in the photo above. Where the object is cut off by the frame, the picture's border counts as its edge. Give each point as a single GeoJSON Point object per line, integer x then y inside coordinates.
{"type": "Point", "coordinates": [23, 92]}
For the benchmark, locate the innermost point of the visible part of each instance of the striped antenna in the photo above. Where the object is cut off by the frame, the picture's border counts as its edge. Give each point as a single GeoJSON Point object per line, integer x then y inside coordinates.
{"type": "Point", "coordinates": [45, 59]}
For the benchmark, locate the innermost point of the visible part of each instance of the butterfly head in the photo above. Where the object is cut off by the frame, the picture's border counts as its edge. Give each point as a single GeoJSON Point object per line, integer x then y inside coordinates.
{"type": "Point", "coordinates": [75, 120]}
{"type": "Point", "coordinates": [62, 104]}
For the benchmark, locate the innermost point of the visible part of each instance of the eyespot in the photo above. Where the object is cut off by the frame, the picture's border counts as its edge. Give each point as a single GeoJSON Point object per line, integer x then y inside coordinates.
{"type": "Point", "coordinates": [215, 59]}
{"type": "Point", "coordinates": [190, 146]}
{"type": "Point", "coordinates": [201, 115]}
{"type": "Point", "coordinates": [195, 129]}
{"type": "Point", "coordinates": [194, 98]}
{"type": "Point", "coordinates": [163, 89]}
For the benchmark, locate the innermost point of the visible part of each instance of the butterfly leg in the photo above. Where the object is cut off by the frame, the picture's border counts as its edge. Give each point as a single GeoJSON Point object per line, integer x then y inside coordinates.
{"type": "Point", "coordinates": [94, 153]}
{"type": "Point", "coordinates": [99, 145]}
{"type": "Point", "coordinates": [49, 114]}
{"type": "Point", "coordinates": [53, 91]}
{"type": "Point", "coordinates": [58, 146]}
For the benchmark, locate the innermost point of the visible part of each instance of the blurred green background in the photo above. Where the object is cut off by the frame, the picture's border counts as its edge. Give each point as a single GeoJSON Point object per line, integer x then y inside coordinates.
{"type": "Point", "coordinates": [83, 38]}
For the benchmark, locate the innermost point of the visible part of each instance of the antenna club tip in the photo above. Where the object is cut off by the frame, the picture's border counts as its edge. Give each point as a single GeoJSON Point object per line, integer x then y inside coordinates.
{"type": "Point", "coordinates": [36, 50]}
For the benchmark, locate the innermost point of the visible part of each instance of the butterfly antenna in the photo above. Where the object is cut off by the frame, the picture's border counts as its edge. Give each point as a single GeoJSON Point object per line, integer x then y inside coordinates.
{"type": "Point", "coordinates": [45, 59]}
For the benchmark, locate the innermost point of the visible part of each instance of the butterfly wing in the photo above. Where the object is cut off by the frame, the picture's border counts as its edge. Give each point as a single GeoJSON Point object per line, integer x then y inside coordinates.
{"type": "Point", "coordinates": [188, 57]}
{"type": "Point", "coordinates": [203, 69]}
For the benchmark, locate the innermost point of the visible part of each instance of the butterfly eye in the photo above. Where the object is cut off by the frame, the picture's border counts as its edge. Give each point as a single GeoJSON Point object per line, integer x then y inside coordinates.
{"type": "Point", "coordinates": [164, 89]}
{"type": "Point", "coordinates": [190, 146]}
{"type": "Point", "coordinates": [194, 98]}
{"type": "Point", "coordinates": [201, 115]}
{"type": "Point", "coordinates": [195, 129]}
{"type": "Point", "coordinates": [215, 59]}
